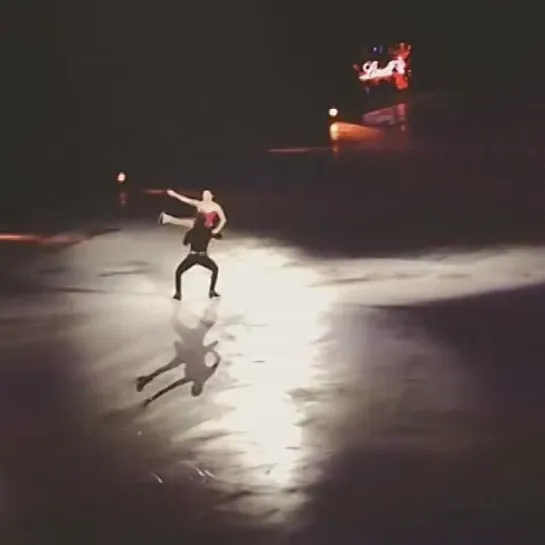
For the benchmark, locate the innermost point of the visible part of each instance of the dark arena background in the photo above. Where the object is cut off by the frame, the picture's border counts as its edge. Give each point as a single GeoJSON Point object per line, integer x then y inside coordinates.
{"type": "Point", "coordinates": [373, 370]}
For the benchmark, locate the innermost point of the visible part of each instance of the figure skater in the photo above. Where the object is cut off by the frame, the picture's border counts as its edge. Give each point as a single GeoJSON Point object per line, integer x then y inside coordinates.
{"type": "Point", "coordinates": [209, 212]}
{"type": "Point", "coordinates": [198, 239]}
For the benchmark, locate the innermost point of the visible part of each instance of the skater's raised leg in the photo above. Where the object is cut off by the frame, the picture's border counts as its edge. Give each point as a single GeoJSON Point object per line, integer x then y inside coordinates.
{"type": "Point", "coordinates": [167, 219]}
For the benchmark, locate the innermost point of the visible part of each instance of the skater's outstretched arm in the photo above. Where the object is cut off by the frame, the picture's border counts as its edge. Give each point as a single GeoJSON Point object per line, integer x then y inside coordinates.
{"type": "Point", "coordinates": [183, 198]}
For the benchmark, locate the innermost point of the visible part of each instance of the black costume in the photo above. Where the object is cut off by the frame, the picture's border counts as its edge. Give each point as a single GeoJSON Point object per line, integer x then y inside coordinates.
{"type": "Point", "coordinates": [197, 238]}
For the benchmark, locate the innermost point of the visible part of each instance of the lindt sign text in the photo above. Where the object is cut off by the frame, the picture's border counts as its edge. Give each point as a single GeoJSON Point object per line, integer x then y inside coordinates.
{"type": "Point", "coordinates": [371, 71]}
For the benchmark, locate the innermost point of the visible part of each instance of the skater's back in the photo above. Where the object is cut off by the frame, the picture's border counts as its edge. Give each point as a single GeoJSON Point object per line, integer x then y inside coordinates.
{"type": "Point", "coordinates": [198, 239]}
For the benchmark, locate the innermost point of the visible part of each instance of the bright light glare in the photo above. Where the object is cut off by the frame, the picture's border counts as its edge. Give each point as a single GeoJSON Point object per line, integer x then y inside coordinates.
{"type": "Point", "coordinates": [394, 282]}
{"type": "Point", "coordinates": [275, 351]}
{"type": "Point", "coordinates": [18, 237]}
{"type": "Point", "coordinates": [42, 240]}
{"type": "Point", "coordinates": [333, 112]}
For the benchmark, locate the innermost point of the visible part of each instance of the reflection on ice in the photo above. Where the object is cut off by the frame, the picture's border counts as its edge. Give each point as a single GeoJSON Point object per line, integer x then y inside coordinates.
{"type": "Point", "coordinates": [274, 350]}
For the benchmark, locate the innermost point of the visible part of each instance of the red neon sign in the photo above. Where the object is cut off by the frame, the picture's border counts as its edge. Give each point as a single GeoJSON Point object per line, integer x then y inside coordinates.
{"type": "Point", "coordinates": [396, 70]}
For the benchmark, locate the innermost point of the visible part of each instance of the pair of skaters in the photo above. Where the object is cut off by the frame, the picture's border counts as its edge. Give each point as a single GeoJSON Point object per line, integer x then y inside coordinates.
{"type": "Point", "coordinates": [209, 220]}
{"type": "Point", "coordinates": [207, 224]}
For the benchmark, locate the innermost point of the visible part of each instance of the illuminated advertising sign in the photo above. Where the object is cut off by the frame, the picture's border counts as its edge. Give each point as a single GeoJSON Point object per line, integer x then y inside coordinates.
{"type": "Point", "coordinates": [394, 69]}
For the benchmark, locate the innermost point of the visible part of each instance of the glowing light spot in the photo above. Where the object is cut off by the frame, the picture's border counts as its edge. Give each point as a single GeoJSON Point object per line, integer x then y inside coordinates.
{"type": "Point", "coordinates": [333, 112]}
{"type": "Point", "coordinates": [121, 178]}
{"type": "Point", "coordinates": [40, 239]}
{"type": "Point", "coordinates": [16, 237]}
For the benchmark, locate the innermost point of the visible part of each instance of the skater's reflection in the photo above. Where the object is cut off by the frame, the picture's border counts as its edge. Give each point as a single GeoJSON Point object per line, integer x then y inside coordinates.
{"type": "Point", "coordinates": [191, 352]}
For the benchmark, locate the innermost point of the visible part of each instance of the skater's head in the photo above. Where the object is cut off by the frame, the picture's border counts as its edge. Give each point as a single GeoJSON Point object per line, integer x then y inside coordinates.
{"type": "Point", "coordinates": [207, 195]}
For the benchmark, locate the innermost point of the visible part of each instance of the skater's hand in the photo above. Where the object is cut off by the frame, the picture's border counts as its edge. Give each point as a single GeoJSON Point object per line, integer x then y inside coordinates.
{"type": "Point", "coordinates": [171, 193]}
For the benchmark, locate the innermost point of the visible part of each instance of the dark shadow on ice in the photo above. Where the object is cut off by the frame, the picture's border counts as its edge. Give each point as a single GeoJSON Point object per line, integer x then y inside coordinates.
{"type": "Point", "coordinates": [190, 352]}
{"type": "Point", "coordinates": [101, 231]}
{"type": "Point", "coordinates": [483, 485]}
{"type": "Point", "coordinates": [392, 203]}
{"type": "Point", "coordinates": [502, 335]}
{"type": "Point", "coordinates": [66, 478]}
{"type": "Point", "coordinates": [142, 270]}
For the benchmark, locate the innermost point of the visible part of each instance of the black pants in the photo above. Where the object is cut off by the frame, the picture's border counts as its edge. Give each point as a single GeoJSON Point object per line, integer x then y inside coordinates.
{"type": "Point", "coordinates": [196, 259]}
